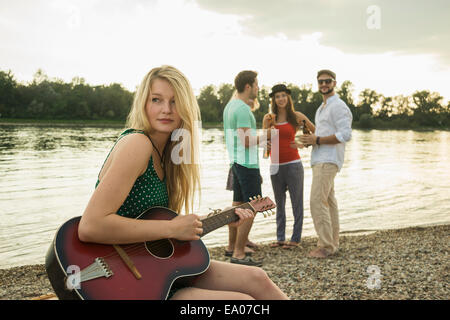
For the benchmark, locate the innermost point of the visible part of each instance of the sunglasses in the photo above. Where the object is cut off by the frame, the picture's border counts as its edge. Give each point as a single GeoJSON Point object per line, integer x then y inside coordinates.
{"type": "Point", "coordinates": [327, 81]}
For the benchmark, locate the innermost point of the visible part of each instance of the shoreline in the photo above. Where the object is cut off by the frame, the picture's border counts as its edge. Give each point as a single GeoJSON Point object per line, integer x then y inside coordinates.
{"type": "Point", "coordinates": [205, 125]}
{"type": "Point", "coordinates": [395, 264]}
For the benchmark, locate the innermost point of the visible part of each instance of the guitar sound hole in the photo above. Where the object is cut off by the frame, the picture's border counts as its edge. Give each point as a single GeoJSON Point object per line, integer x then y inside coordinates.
{"type": "Point", "coordinates": [162, 249]}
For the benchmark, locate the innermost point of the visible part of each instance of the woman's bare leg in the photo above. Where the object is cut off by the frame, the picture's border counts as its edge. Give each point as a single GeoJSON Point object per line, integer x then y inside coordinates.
{"type": "Point", "coordinates": [225, 280]}
{"type": "Point", "coordinates": [192, 293]}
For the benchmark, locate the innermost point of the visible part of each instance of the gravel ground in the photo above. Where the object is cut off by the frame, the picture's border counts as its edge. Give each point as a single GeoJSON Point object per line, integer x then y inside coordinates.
{"type": "Point", "coordinates": [411, 263]}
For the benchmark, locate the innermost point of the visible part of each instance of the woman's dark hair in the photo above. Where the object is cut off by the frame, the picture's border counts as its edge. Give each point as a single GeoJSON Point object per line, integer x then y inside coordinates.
{"type": "Point", "coordinates": [291, 117]}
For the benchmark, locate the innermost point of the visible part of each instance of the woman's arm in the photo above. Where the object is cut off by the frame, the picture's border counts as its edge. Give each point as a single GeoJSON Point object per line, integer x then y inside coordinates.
{"type": "Point", "coordinates": [268, 121]}
{"type": "Point", "coordinates": [101, 224]}
{"type": "Point", "coordinates": [309, 124]}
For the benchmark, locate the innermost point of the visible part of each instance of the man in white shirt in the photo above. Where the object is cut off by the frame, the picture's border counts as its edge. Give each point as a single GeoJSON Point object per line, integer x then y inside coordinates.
{"type": "Point", "coordinates": [333, 122]}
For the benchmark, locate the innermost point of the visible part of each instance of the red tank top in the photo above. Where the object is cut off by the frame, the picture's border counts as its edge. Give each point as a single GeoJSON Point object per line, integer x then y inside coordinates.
{"type": "Point", "coordinates": [286, 135]}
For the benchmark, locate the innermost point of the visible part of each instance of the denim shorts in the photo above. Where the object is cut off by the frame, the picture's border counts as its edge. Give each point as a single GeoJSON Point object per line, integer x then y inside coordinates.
{"type": "Point", "coordinates": [246, 183]}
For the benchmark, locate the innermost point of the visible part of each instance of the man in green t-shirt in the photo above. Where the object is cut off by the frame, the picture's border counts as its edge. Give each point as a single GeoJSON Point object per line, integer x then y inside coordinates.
{"type": "Point", "coordinates": [242, 145]}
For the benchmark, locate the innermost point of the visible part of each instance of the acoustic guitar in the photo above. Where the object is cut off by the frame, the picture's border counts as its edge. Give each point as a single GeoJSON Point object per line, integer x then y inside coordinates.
{"type": "Point", "coordinates": [147, 270]}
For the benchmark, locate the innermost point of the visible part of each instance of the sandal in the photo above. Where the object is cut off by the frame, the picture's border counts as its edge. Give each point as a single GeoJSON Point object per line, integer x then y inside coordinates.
{"type": "Point", "coordinates": [319, 253]}
{"type": "Point", "coordinates": [246, 261]}
{"type": "Point", "coordinates": [252, 245]}
{"type": "Point", "coordinates": [276, 244]}
{"type": "Point", "coordinates": [229, 253]}
{"type": "Point", "coordinates": [290, 245]}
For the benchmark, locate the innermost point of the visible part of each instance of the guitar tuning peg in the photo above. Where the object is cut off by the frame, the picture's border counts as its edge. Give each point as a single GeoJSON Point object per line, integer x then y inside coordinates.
{"type": "Point", "coordinates": [264, 214]}
{"type": "Point", "coordinates": [214, 212]}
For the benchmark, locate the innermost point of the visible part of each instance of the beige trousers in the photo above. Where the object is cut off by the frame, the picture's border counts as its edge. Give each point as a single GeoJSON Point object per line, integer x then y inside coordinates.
{"type": "Point", "coordinates": [323, 204]}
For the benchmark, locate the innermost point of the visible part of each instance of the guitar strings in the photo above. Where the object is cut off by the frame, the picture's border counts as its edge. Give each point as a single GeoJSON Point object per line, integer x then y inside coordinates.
{"type": "Point", "coordinates": [214, 221]}
{"type": "Point", "coordinates": [113, 263]}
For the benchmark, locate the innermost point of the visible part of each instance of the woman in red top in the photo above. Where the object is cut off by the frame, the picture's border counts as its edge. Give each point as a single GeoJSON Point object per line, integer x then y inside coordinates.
{"type": "Point", "coordinates": [286, 169]}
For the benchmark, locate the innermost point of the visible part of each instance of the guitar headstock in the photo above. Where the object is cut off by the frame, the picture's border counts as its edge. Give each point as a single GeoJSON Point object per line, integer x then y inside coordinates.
{"type": "Point", "coordinates": [262, 204]}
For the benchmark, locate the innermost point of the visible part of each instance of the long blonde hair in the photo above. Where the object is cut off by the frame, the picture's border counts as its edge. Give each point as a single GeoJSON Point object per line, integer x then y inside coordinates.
{"type": "Point", "coordinates": [183, 179]}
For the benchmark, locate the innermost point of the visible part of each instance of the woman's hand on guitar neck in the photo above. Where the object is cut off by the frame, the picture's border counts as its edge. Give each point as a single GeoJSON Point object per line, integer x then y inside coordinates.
{"type": "Point", "coordinates": [244, 214]}
{"type": "Point", "coordinates": [186, 227]}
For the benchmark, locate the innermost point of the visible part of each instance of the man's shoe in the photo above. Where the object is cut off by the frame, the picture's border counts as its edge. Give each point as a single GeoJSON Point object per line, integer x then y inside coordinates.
{"type": "Point", "coordinates": [246, 261]}
{"type": "Point", "coordinates": [230, 253]}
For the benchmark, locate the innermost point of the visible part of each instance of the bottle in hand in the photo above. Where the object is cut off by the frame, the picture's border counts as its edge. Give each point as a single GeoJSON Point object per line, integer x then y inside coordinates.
{"type": "Point", "coordinates": [266, 153]}
{"type": "Point", "coordinates": [306, 131]}
{"type": "Point", "coordinates": [267, 148]}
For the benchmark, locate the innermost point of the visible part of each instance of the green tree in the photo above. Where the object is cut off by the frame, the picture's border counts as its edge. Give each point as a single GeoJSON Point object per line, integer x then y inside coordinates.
{"type": "Point", "coordinates": [39, 77]}
{"type": "Point", "coordinates": [264, 102]}
{"type": "Point", "coordinates": [386, 109]}
{"type": "Point", "coordinates": [428, 108]}
{"type": "Point", "coordinates": [7, 94]}
{"type": "Point", "coordinates": [224, 94]}
{"type": "Point", "coordinates": [306, 101]}
{"type": "Point", "coordinates": [368, 99]}
{"type": "Point", "coordinates": [345, 92]}
{"type": "Point", "coordinates": [209, 103]}
{"type": "Point", "coordinates": [45, 98]}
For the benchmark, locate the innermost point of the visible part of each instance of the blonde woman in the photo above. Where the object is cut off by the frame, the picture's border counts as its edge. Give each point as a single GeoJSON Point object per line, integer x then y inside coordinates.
{"type": "Point", "coordinates": [143, 169]}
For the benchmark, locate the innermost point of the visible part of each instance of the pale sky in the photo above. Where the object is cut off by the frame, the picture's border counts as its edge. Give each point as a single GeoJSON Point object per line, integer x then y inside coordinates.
{"type": "Point", "coordinates": [391, 46]}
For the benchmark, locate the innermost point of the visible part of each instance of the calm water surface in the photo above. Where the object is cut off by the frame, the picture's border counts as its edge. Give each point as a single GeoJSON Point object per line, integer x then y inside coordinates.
{"type": "Point", "coordinates": [390, 179]}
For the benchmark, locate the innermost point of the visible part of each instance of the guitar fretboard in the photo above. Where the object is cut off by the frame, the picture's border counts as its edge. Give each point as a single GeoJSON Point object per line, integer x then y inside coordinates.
{"type": "Point", "coordinates": [220, 219]}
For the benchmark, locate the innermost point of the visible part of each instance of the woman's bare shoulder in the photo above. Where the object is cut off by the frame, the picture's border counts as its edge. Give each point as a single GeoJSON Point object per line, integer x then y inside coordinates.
{"type": "Point", "coordinates": [134, 149]}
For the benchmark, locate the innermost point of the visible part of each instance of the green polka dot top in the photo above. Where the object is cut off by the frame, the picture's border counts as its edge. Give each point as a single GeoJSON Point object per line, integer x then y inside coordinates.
{"type": "Point", "coordinates": [147, 191]}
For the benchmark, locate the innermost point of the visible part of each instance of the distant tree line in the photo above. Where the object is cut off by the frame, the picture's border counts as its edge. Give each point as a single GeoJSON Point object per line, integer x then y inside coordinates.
{"type": "Point", "coordinates": [55, 99]}
{"type": "Point", "coordinates": [374, 110]}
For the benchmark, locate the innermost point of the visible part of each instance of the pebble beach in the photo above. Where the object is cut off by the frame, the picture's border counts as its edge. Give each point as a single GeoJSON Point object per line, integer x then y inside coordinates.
{"type": "Point", "coordinates": [402, 264]}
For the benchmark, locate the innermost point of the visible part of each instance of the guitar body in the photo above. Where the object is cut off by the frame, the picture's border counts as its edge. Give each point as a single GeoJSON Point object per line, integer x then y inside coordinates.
{"type": "Point", "coordinates": [160, 263]}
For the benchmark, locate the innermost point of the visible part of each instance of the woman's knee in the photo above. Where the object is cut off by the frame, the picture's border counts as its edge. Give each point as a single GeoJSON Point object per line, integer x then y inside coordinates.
{"type": "Point", "coordinates": [259, 277]}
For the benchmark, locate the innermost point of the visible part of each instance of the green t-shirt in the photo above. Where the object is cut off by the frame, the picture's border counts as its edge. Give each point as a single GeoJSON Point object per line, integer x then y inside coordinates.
{"type": "Point", "coordinates": [237, 114]}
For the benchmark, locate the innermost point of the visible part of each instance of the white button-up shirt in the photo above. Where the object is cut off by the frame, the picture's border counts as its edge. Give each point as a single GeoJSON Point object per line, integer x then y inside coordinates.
{"type": "Point", "coordinates": [334, 117]}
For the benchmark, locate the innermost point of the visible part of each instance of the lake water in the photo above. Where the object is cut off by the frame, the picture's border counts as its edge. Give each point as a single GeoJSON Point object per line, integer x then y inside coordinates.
{"type": "Point", "coordinates": [390, 179]}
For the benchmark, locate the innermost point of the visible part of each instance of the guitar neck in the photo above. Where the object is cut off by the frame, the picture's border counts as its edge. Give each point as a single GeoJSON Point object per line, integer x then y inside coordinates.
{"type": "Point", "coordinates": [223, 218]}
